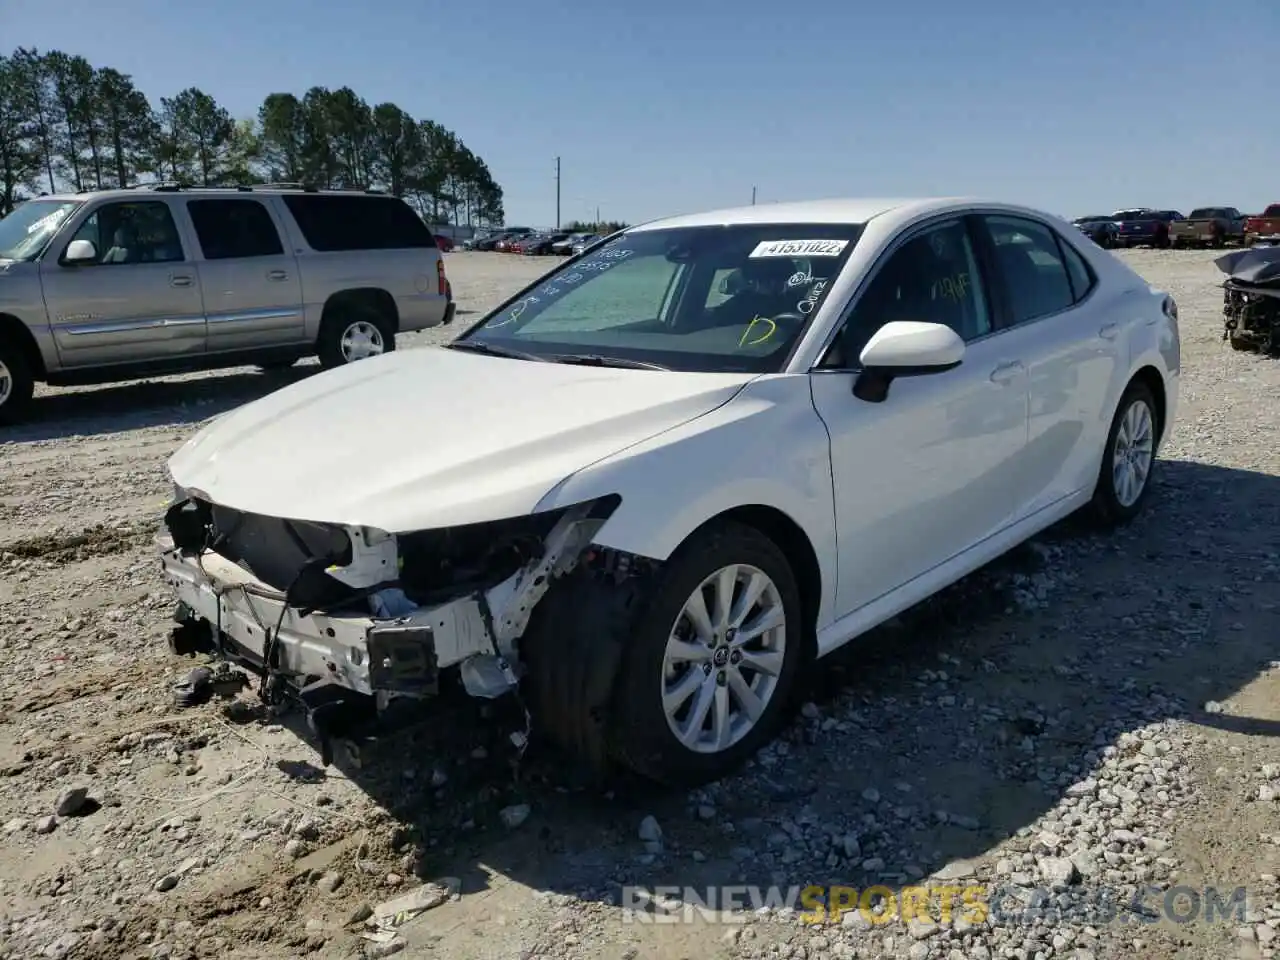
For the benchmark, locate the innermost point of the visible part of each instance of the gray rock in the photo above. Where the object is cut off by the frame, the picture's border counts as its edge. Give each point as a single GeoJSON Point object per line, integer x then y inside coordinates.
{"type": "Point", "coordinates": [650, 829]}
{"type": "Point", "coordinates": [71, 801]}
{"type": "Point", "coordinates": [46, 824]}
{"type": "Point", "coordinates": [167, 882]}
{"type": "Point", "coordinates": [514, 815]}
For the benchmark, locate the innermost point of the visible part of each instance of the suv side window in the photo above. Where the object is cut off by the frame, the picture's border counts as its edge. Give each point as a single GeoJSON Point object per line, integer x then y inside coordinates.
{"type": "Point", "coordinates": [1030, 258]}
{"type": "Point", "coordinates": [234, 228]}
{"type": "Point", "coordinates": [933, 277]}
{"type": "Point", "coordinates": [330, 222]}
{"type": "Point", "coordinates": [132, 232]}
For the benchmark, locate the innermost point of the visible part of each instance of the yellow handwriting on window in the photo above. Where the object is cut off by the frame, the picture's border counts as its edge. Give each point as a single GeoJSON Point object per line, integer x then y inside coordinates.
{"type": "Point", "coordinates": [752, 336]}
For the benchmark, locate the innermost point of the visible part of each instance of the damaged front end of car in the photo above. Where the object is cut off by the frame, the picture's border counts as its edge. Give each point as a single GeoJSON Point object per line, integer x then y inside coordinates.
{"type": "Point", "coordinates": [1251, 298]}
{"type": "Point", "coordinates": [347, 620]}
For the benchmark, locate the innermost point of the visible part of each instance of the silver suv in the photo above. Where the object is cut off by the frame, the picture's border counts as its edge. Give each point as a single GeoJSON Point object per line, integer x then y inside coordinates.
{"type": "Point", "coordinates": [120, 284]}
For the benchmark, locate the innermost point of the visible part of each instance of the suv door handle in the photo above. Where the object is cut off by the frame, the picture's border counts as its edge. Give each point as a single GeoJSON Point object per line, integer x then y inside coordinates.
{"type": "Point", "coordinates": [1007, 372]}
{"type": "Point", "coordinates": [277, 275]}
{"type": "Point", "coordinates": [1109, 331]}
{"type": "Point", "coordinates": [180, 281]}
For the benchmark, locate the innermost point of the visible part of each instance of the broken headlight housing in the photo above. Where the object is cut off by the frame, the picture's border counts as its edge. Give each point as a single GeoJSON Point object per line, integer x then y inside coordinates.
{"type": "Point", "coordinates": [445, 562]}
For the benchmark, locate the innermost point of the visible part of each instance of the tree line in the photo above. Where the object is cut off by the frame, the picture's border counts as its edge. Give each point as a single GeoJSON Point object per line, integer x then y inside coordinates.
{"type": "Point", "coordinates": [68, 125]}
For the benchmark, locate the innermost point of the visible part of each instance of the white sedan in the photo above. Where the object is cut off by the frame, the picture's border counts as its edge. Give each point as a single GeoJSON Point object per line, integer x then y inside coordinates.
{"type": "Point", "coordinates": [652, 485]}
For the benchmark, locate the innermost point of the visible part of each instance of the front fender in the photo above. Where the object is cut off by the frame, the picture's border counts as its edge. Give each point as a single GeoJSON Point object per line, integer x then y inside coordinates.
{"type": "Point", "coordinates": [765, 447]}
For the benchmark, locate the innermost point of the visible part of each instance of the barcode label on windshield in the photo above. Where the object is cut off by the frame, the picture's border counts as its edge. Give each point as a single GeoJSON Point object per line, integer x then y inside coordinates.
{"type": "Point", "coordinates": [799, 248]}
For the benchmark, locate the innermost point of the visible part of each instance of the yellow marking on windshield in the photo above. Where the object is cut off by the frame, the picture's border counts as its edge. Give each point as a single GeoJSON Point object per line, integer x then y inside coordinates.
{"type": "Point", "coordinates": [746, 342]}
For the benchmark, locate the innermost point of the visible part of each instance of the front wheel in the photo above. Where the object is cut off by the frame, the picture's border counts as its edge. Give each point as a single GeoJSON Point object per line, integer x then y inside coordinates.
{"type": "Point", "coordinates": [16, 383]}
{"type": "Point", "coordinates": [1128, 458]}
{"type": "Point", "coordinates": [709, 669]}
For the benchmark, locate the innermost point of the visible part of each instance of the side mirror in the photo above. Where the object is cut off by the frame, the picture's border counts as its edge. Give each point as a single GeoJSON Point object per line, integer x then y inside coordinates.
{"type": "Point", "coordinates": [80, 252]}
{"type": "Point", "coordinates": [905, 349]}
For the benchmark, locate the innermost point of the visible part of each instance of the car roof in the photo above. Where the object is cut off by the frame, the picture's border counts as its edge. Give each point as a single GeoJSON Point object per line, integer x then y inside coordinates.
{"type": "Point", "coordinates": [147, 189]}
{"type": "Point", "coordinates": [834, 210]}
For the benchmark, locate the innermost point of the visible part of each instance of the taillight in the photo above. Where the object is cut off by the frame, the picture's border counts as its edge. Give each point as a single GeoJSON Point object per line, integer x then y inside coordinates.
{"type": "Point", "coordinates": [442, 282]}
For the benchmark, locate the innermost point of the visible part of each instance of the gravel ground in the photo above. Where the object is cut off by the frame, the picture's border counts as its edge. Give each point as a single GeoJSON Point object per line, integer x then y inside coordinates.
{"type": "Point", "coordinates": [1090, 717]}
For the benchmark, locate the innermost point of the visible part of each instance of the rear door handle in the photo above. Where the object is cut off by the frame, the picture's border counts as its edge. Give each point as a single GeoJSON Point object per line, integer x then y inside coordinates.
{"type": "Point", "coordinates": [277, 275]}
{"type": "Point", "coordinates": [180, 281]}
{"type": "Point", "coordinates": [1007, 372]}
{"type": "Point", "coordinates": [1109, 331]}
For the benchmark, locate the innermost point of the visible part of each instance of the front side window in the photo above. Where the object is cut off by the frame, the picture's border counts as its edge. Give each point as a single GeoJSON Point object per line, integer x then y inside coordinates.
{"type": "Point", "coordinates": [932, 278]}
{"type": "Point", "coordinates": [716, 299]}
{"type": "Point", "coordinates": [1031, 262]}
{"type": "Point", "coordinates": [27, 230]}
{"type": "Point", "coordinates": [128, 232]}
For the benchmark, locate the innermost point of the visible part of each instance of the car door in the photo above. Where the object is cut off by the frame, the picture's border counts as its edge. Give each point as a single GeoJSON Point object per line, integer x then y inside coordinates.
{"type": "Point", "coordinates": [251, 286]}
{"type": "Point", "coordinates": [928, 472]}
{"type": "Point", "coordinates": [1072, 341]}
{"type": "Point", "coordinates": [135, 300]}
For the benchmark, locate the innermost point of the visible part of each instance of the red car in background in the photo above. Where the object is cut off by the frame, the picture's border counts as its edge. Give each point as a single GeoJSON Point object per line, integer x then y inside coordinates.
{"type": "Point", "coordinates": [444, 243]}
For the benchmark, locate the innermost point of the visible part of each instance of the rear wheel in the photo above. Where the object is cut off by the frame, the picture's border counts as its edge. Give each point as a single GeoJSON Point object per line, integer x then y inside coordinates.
{"type": "Point", "coordinates": [1238, 343]}
{"type": "Point", "coordinates": [353, 332]}
{"type": "Point", "coordinates": [1128, 458]}
{"type": "Point", "coordinates": [16, 383]}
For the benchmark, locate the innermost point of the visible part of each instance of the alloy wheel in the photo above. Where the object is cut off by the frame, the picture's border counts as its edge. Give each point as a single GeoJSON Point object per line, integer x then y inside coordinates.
{"type": "Point", "coordinates": [361, 340]}
{"type": "Point", "coordinates": [1133, 453]}
{"type": "Point", "coordinates": [723, 658]}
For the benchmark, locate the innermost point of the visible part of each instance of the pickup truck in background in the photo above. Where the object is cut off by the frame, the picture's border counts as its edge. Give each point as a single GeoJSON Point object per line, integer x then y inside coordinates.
{"type": "Point", "coordinates": [1142, 226]}
{"type": "Point", "coordinates": [1208, 226]}
{"type": "Point", "coordinates": [1265, 226]}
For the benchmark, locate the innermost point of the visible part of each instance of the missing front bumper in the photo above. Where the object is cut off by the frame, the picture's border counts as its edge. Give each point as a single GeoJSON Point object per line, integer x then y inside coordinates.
{"type": "Point", "coordinates": [363, 654]}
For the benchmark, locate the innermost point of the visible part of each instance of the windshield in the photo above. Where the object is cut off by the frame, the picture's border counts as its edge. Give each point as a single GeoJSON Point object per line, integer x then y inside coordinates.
{"type": "Point", "coordinates": [26, 231]}
{"type": "Point", "coordinates": [710, 299]}
{"type": "Point", "coordinates": [1133, 215]}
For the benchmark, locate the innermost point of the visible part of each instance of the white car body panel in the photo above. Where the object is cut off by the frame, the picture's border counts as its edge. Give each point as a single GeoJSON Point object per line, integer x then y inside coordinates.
{"type": "Point", "coordinates": [897, 499]}
{"type": "Point", "coordinates": [417, 439]}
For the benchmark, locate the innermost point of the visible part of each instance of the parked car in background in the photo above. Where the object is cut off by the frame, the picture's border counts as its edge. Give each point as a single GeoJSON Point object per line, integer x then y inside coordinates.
{"type": "Point", "coordinates": [711, 492]}
{"type": "Point", "coordinates": [565, 246]}
{"type": "Point", "coordinates": [1208, 227]}
{"type": "Point", "coordinates": [118, 284]}
{"type": "Point", "coordinates": [1142, 226]}
{"type": "Point", "coordinates": [1264, 227]}
{"type": "Point", "coordinates": [585, 242]}
{"type": "Point", "coordinates": [444, 243]}
{"type": "Point", "coordinates": [1101, 230]}
{"type": "Point", "coordinates": [542, 245]}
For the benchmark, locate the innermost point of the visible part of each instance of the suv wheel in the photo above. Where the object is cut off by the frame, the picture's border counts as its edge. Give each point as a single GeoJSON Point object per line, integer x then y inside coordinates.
{"type": "Point", "coordinates": [353, 333]}
{"type": "Point", "coordinates": [16, 383]}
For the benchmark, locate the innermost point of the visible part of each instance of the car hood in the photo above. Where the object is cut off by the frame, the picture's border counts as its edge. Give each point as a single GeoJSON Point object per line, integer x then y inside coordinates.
{"type": "Point", "coordinates": [432, 437]}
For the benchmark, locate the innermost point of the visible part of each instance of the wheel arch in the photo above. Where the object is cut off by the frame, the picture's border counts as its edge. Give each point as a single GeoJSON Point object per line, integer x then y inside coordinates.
{"type": "Point", "coordinates": [13, 328]}
{"type": "Point", "coordinates": [367, 298]}
{"type": "Point", "coordinates": [1152, 379]}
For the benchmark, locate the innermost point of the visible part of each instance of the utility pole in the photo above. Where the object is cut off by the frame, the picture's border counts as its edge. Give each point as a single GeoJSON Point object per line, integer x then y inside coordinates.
{"type": "Point", "coordinates": [597, 214]}
{"type": "Point", "coordinates": [753, 196]}
{"type": "Point", "coordinates": [557, 193]}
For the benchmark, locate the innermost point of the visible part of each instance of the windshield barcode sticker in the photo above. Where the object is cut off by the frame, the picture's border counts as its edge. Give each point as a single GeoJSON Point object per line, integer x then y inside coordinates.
{"type": "Point", "coordinates": [799, 248]}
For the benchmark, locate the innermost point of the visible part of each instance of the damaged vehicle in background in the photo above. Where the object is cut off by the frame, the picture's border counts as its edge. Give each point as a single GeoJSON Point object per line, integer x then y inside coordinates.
{"type": "Point", "coordinates": [671, 472]}
{"type": "Point", "coordinates": [1251, 299]}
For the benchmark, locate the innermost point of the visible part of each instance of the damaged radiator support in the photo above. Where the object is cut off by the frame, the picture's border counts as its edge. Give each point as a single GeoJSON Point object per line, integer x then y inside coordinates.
{"type": "Point", "coordinates": [346, 667]}
{"type": "Point", "coordinates": [1251, 298]}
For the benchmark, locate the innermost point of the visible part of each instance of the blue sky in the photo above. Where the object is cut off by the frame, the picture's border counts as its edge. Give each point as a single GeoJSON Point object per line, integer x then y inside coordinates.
{"type": "Point", "coordinates": [664, 107]}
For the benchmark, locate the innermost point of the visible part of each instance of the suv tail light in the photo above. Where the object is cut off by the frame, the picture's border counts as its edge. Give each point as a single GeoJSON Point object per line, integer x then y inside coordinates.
{"type": "Point", "coordinates": [442, 282]}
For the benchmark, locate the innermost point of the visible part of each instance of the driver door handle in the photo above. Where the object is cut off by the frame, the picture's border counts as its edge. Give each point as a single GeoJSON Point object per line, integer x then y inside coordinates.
{"type": "Point", "coordinates": [277, 275]}
{"type": "Point", "coordinates": [1007, 372]}
{"type": "Point", "coordinates": [178, 280]}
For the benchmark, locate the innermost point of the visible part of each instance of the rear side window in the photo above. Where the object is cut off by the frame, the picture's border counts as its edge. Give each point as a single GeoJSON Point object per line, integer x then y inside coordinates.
{"type": "Point", "coordinates": [1078, 271]}
{"type": "Point", "coordinates": [357, 223]}
{"type": "Point", "coordinates": [1031, 260]}
{"type": "Point", "coordinates": [234, 228]}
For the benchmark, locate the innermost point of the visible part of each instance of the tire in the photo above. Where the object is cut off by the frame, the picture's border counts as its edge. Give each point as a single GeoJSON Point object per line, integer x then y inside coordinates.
{"type": "Point", "coordinates": [641, 736]}
{"type": "Point", "coordinates": [360, 321]}
{"type": "Point", "coordinates": [17, 385]}
{"type": "Point", "coordinates": [1239, 343]}
{"type": "Point", "coordinates": [1113, 505]}
{"type": "Point", "coordinates": [595, 657]}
